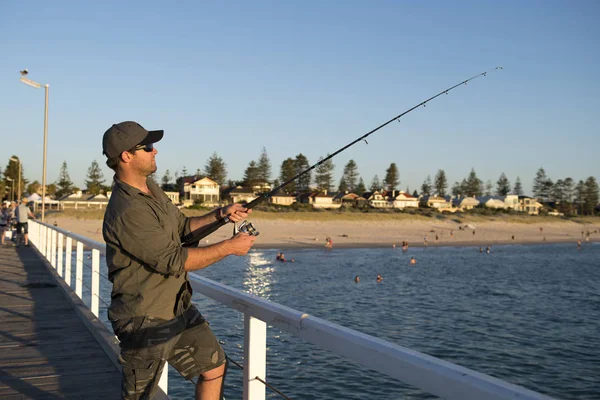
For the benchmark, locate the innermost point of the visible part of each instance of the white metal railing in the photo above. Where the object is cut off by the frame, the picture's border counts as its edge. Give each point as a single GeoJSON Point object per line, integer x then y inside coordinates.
{"type": "Point", "coordinates": [431, 374]}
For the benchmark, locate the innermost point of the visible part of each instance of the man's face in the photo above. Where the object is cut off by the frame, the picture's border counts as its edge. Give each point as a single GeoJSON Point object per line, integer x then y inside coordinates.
{"type": "Point", "coordinates": [144, 160]}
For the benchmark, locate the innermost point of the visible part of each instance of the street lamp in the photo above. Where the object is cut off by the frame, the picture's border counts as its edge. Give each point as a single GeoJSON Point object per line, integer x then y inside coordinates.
{"type": "Point", "coordinates": [37, 86]}
{"type": "Point", "coordinates": [18, 178]}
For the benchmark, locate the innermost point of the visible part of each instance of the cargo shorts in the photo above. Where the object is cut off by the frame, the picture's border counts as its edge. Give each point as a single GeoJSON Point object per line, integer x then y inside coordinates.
{"type": "Point", "coordinates": [186, 343]}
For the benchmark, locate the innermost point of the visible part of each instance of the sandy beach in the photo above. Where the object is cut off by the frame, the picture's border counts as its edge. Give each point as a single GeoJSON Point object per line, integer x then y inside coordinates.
{"type": "Point", "coordinates": [286, 233]}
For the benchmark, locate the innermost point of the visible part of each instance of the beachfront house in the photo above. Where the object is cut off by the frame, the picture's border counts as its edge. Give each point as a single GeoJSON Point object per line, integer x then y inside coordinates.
{"type": "Point", "coordinates": [529, 205]}
{"type": "Point", "coordinates": [200, 190]}
{"type": "Point", "coordinates": [401, 200]}
{"type": "Point", "coordinates": [324, 200]}
{"type": "Point", "coordinates": [438, 202]}
{"type": "Point", "coordinates": [238, 194]}
{"type": "Point", "coordinates": [282, 199]}
{"type": "Point", "coordinates": [173, 196]}
{"type": "Point", "coordinates": [345, 199]}
{"type": "Point", "coordinates": [79, 200]}
{"type": "Point", "coordinates": [491, 202]}
{"type": "Point", "coordinates": [464, 203]}
{"type": "Point", "coordinates": [511, 201]}
{"type": "Point", "coordinates": [376, 200]}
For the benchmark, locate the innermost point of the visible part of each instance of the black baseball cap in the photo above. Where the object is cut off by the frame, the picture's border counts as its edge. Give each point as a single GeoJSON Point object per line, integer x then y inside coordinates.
{"type": "Point", "coordinates": [125, 136]}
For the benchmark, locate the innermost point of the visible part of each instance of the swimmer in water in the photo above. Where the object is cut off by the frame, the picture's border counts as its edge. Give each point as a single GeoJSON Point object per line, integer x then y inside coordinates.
{"type": "Point", "coordinates": [379, 278]}
{"type": "Point", "coordinates": [356, 279]}
{"type": "Point", "coordinates": [278, 256]}
{"type": "Point", "coordinates": [488, 250]}
{"type": "Point", "coordinates": [413, 261]}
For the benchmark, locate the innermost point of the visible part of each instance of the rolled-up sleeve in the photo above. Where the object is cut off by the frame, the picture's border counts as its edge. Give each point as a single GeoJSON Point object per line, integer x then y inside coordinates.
{"type": "Point", "coordinates": [183, 224]}
{"type": "Point", "coordinates": [146, 240]}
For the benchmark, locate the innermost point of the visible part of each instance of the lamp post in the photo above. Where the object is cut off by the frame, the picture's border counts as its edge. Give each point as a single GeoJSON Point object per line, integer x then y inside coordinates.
{"type": "Point", "coordinates": [18, 179]}
{"type": "Point", "coordinates": [37, 86]}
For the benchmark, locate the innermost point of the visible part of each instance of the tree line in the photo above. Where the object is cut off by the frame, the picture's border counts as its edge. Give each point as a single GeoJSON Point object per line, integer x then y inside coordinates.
{"type": "Point", "coordinates": [566, 194]}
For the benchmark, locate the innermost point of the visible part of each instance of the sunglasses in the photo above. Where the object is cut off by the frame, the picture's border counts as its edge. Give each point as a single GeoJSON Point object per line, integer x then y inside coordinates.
{"type": "Point", "coordinates": [148, 148]}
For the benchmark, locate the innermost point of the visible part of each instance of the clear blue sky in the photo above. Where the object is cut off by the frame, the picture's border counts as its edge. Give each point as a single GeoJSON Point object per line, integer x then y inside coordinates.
{"type": "Point", "coordinates": [309, 77]}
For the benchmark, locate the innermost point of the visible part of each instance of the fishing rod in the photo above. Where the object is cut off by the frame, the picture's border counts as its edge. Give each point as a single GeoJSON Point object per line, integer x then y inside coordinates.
{"type": "Point", "coordinates": [194, 237]}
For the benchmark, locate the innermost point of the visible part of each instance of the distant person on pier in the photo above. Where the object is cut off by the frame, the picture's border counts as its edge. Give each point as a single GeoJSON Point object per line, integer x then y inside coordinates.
{"type": "Point", "coordinates": [151, 309]}
{"type": "Point", "coordinates": [23, 213]}
{"type": "Point", "coordinates": [4, 220]}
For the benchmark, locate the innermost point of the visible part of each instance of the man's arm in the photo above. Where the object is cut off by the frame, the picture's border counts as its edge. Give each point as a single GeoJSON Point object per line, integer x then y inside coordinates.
{"type": "Point", "coordinates": [199, 258]}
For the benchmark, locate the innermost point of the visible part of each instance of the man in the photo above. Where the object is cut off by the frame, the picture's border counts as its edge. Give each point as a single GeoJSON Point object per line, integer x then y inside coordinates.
{"type": "Point", "coordinates": [4, 220]}
{"type": "Point", "coordinates": [151, 311]}
{"type": "Point", "coordinates": [23, 213]}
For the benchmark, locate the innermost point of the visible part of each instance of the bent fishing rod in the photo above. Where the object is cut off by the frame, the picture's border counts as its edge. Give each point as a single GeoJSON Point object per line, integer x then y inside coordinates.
{"type": "Point", "coordinates": [194, 237]}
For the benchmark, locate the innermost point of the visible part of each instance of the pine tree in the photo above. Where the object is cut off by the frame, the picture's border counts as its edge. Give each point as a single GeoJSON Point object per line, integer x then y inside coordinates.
{"type": "Point", "coordinates": [51, 189]}
{"type": "Point", "coordinates": [251, 175]}
{"type": "Point", "coordinates": [342, 187]}
{"type": "Point", "coordinates": [580, 191]}
{"type": "Point", "coordinates": [95, 179]}
{"type": "Point", "coordinates": [558, 192]}
{"type": "Point", "coordinates": [375, 184]}
{"type": "Point", "coordinates": [441, 183]}
{"type": "Point", "coordinates": [360, 189]}
{"type": "Point", "coordinates": [541, 186]}
{"type": "Point", "coordinates": [166, 181]}
{"type": "Point", "coordinates": [591, 195]}
{"type": "Point", "coordinates": [518, 189]}
{"type": "Point", "coordinates": [473, 184]}
{"type": "Point", "coordinates": [426, 186]}
{"type": "Point", "coordinates": [351, 175]}
{"type": "Point", "coordinates": [502, 186]}
{"type": "Point", "coordinates": [392, 177]}
{"type": "Point", "coordinates": [288, 171]}
{"type": "Point", "coordinates": [488, 188]}
{"type": "Point", "coordinates": [64, 185]}
{"type": "Point", "coordinates": [324, 175]}
{"type": "Point", "coordinates": [264, 167]}
{"type": "Point", "coordinates": [33, 187]}
{"type": "Point", "coordinates": [304, 180]}
{"type": "Point", "coordinates": [216, 169]}
{"type": "Point", "coordinates": [569, 193]}
{"type": "Point", "coordinates": [456, 189]}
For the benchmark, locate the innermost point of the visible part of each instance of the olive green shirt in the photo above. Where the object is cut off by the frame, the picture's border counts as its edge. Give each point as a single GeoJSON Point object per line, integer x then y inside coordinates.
{"type": "Point", "coordinates": [144, 255]}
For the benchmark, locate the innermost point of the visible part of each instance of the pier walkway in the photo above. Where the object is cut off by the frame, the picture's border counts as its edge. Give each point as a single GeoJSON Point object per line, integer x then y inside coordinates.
{"type": "Point", "coordinates": [47, 350]}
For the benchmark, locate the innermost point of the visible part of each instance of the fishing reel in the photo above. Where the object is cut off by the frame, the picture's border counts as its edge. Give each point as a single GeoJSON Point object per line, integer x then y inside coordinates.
{"type": "Point", "coordinates": [245, 227]}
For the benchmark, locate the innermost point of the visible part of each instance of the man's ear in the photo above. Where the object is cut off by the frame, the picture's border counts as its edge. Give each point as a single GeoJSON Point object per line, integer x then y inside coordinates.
{"type": "Point", "coordinates": [126, 157]}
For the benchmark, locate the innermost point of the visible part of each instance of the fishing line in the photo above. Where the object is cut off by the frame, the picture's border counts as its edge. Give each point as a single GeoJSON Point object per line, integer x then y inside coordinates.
{"type": "Point", "coordinates": [193, 237]}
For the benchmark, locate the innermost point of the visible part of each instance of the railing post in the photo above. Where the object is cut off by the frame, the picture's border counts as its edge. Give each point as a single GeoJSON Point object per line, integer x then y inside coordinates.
{"type": "Point", "coordinates": [45, 241]}
{"type": "Point", "coordinates": [79, 271]}
{"type": "Point", "coordinates": [68, 256]}
{"type": "Point", "coordinates": [53, 249]}
{"type": "Point", "coordinates": [59, 259]}
{"type": "Point", "coordinates": [163, 383]}
{"type": "Point", "coordinates": [48, 243]}
{"type": "Point", "coordinates": [255, 358]}
{"type": "Point", "coordinates": [95, 282]}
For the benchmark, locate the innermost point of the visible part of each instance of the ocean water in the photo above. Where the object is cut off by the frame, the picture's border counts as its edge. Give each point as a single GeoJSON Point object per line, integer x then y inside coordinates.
{"type": "Point", "coordinates": [529, 315]}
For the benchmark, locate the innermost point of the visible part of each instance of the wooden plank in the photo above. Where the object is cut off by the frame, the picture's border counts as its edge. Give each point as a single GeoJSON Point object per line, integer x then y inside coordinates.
{"type": "Point", "coordinates": [46, 350]}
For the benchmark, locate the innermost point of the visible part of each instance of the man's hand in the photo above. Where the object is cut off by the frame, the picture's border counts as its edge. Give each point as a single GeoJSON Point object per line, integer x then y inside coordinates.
{"type": "Point", "coordinates": [235, 212]}
{"type": "Point", "coordinates": [240, 244]}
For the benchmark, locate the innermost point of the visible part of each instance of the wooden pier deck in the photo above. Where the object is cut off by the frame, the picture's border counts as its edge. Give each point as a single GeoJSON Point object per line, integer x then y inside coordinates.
{"type": "Point", "coordinates": [46, 348]}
